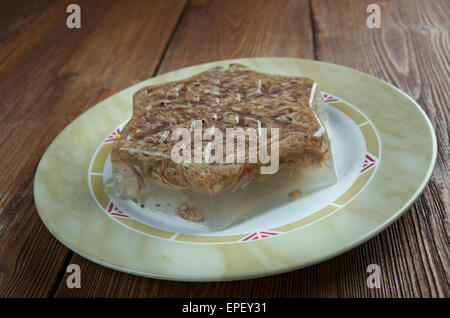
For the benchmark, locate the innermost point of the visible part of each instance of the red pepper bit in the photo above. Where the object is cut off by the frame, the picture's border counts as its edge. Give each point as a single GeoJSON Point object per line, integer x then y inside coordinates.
{"type": "Point", "coordinates": [249, 169]}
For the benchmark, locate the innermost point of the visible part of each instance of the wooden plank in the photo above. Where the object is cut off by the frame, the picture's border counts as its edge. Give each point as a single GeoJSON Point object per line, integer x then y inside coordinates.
{"type": "Point", "coordinates": [411, 51]}
{"type": "Point", "coordinates": [49, 75]}
{"type": "Point", "coordinates": [220, 30]}
{"type": "Point", "coordinates": [209, 31]}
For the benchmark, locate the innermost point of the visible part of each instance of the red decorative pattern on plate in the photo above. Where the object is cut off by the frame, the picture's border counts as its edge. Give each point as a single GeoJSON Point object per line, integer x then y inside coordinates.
{"type": "Point", "coordinates": [115, 211]}
{"type": "Point", "coordinates": [258, 235]}
{"type": "Point", "coordinates": [113, 135]}
{"type": "Point", "coordinates": [327, 98]}
{"type": "Point", "coordinates": [368, 162]}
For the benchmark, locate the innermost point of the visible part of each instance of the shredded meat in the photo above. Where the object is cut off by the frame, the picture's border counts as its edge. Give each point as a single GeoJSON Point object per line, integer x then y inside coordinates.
{"type": "Point", "coordinates": [224, 98]}
{"type": "Point", "coordinates": [189, 212]}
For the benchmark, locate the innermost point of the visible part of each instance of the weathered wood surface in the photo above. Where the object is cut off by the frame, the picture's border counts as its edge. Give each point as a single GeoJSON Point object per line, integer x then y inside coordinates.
{"type": "Point", "coordinates": [49, 75]}
{"type": "Point", "coordinates": [410, 51]}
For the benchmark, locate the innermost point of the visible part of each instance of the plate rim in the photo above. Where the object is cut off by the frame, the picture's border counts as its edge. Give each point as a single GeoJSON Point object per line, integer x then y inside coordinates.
{"type": "Point", "coordinates": [323, 257]}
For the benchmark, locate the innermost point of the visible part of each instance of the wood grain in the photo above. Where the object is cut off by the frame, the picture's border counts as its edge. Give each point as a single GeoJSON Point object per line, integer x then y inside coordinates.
{"type": "Point", "coordinates": [49, 75]}
{"type": "Point", "coordinates": [410, 51]}
{"type": "Point", "coordinates": [220, 30]}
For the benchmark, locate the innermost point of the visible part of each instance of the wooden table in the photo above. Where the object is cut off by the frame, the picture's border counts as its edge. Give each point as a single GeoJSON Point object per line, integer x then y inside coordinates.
{"type": "Point", "coordinates": [50, 74]}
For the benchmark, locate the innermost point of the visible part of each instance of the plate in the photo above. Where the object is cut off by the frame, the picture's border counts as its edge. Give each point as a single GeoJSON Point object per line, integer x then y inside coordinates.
{"type": "Point", "coordinates": [384, 150]}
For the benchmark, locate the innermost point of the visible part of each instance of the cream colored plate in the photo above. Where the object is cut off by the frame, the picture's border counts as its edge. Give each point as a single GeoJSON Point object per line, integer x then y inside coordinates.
{"type": "Point", "coordinates": [387, 153]}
